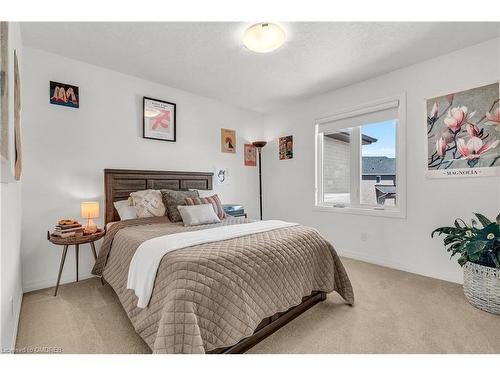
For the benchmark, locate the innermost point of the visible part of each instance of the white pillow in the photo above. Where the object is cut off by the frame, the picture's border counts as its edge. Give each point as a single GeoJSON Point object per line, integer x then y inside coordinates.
{"type": "Point", "coordinates": [125, 210]}
{"type": "Point", "coordinates": [198, 214]}
{"type": "Point", "coordinates": [148, 203]}
{"type": "Point", "coordinates": [204, 193]}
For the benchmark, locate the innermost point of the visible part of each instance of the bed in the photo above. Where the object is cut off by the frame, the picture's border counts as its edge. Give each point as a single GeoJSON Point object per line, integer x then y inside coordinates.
{"type": "Point", "coordinates": [217, 297]}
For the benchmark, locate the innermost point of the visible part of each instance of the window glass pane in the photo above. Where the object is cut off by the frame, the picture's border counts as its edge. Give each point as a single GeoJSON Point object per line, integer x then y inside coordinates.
{"type": "Point", "coordinates": [378, 164]}
{"type": "Point", "coordinates": [336, 165]}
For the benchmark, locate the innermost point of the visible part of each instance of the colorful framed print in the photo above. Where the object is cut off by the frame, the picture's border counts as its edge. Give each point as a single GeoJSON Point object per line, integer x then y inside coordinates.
{"type": "Point", "coordinates": [64, 94]}
{"type": "Point", "coordinates": [286, 147]}
{"type": "Point", "coordinates": [250, 155]}
{"type": "Point", "coordinates": [159, 120]}
{"type": "Point", "coordinates": [462, 133]}
{"type": "Point", "coordinates": [228, 141]}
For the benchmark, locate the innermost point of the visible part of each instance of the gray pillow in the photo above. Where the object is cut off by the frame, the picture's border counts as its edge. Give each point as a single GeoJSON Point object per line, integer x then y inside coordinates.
{"type": "Point", "coordinates": [198, 215]}
{"type": "Point", "coordinates": [174, 198]}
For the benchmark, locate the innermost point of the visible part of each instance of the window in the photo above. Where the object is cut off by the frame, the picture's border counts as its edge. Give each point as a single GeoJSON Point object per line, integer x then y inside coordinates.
{"type": "Point", "coordinates": [360, 160]}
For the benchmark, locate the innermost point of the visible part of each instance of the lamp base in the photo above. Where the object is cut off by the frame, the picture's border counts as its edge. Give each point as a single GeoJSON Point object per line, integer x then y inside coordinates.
{"type": "Point", "coordinates": [90, 228]}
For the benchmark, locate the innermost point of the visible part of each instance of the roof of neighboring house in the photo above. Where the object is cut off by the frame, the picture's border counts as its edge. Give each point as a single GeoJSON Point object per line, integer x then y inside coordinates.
{"type": "Point", "coordinates": [344, 137]}
{"type": "Point", "coordinates": [379, 165]}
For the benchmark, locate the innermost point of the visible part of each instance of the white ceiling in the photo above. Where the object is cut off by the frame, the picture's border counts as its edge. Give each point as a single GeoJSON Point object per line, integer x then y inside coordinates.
{"type": "Point", "coordinates": [207, 58]}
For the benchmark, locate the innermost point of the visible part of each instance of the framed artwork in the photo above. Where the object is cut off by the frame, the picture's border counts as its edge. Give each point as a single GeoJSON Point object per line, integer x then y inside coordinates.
{"type": "Point", "coordinates": [17, 120]}
{"type": "Point", "coordinates": [286, 147]}
{"type": "Point", "coordinates": [228, 140]}
{"type": "Point", "coordinates": [250, 155]}
{"type": "Point", "coordinates": [159, 120]}
{"type": "Point", "coordinates": [4, 102]}
{"type": "Point", "coordinates": [64, 94]}
{"type": "Point", "coordinates": [221, 175]}
{"type": "Point", "coordinates": [462, 133]}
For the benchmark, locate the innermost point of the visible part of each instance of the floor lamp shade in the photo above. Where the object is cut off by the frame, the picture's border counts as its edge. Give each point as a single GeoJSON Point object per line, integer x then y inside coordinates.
{"type": "Point", "coordinates": [259, 145]}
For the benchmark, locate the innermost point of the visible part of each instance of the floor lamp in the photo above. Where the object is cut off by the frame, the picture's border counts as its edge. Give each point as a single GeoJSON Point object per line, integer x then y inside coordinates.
{"type": "Point", "coordinates": [259, 145]}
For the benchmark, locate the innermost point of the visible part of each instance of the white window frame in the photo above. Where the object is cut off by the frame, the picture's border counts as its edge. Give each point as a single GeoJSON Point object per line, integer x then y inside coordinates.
{"type": "Point", "coordinates": [355, 174]}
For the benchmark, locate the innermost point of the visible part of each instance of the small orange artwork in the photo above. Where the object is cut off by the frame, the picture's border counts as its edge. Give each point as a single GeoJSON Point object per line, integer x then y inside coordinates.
{"type": "Point", "coordinates": [250, 155]}
{"type": "Point", "coordinates": [228, 141]}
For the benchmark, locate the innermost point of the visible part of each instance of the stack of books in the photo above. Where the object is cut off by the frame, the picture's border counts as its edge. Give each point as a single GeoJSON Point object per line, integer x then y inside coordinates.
{"type": "Point", "coordinates": [66, 229]}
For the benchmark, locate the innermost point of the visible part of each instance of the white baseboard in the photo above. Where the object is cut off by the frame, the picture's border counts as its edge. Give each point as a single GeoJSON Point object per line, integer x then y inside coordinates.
{"type": "Point", "coordinates": [370, 258]}
{"type": "Point", "coordinates": [49, 283]}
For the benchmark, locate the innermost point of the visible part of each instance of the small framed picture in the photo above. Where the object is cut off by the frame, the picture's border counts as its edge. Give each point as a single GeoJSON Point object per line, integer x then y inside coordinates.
{"type": "Point", "coordinates": [159, 119]}
{"type": "Point", "coordinates": [286, 147]}
{"type": "Point", "coordinates": [64, 94]}
{"type": "Point", "coordinates": [221, 175]}
{"type": "Point", "coordinates": [228, 141]}
{"type": "Point", "coordinates": [250, 155]}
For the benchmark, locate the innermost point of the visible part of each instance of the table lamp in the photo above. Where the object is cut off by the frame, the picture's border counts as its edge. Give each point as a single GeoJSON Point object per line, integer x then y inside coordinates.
{"type": "Point", "coordinates": [89, 211]}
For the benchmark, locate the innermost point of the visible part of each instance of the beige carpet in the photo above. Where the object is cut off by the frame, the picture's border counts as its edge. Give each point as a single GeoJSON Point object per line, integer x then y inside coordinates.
{"type": "Point", "coordinates": [395, 312]}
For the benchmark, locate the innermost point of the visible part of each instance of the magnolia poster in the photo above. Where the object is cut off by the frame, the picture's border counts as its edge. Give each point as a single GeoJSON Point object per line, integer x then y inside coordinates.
{"type": "Point", "coordinates": [463, 133]}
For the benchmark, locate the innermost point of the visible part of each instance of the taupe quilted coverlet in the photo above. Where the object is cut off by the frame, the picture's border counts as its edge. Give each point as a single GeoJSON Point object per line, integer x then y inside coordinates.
{"type": "Point", "coordinates": [213, 295]}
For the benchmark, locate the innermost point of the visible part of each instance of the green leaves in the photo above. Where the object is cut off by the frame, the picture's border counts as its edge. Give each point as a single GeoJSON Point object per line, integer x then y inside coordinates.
{"type": "Point", "coordinates": [495, 259]}
{"type": "Point", "coordinates": [490, 232]}
{"type": "Point", "coordinates": [483, 220]}
{"type": "Point", "coordinates": [473, 244]}
{"type": "Point", "coordinates": [462, 260]}
{"type": "Point", "coordinates": [448, 230]}
{"type": "Point", "coordinates": [474, 250]}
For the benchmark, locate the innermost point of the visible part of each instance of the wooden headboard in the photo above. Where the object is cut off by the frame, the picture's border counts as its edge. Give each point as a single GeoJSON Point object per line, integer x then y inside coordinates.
{"type": "Point", "coordinates": [119, 183]}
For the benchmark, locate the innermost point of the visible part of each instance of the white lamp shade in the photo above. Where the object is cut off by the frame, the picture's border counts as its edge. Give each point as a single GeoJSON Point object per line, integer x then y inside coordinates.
{"type": "Point", "coordinates": [264, 37]}
{"type": "Point", "coordinates": [90, 210]}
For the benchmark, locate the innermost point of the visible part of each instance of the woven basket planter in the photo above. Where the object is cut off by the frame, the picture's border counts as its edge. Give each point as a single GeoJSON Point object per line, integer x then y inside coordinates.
{"type": "Point", "coordinates": [482, 287]}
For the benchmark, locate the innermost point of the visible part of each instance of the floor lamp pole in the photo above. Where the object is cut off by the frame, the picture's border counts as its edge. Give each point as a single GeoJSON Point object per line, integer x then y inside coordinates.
{"type": "Point", "coordinates": [259, 145]}
{"type": "Point", "coordinates": [260, 180]}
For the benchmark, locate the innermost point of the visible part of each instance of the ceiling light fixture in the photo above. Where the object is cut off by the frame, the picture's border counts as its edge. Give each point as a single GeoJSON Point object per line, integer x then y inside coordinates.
{"type": "Point", "coordinates": [264, 37]}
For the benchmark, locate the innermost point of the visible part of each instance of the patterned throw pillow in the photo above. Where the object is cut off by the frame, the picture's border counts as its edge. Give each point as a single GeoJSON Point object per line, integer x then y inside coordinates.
{"type": "Point", "coordinates": [148, 203]}
{"type": "Point", "coordinates": [174, 198]}
{"type": "Point", "coordinates": [213, 200]}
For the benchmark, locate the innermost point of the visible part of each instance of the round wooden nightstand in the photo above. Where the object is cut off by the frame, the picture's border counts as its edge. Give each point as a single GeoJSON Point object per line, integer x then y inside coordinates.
{"type": "Point", "coordinates": [77, 241]}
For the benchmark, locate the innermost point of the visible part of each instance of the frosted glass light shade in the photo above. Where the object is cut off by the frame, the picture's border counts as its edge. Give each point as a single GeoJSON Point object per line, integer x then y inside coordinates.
{"type": "Point", "coordinates": [89, 210]}
{"type": "Point", "coordinates": [264, 37]}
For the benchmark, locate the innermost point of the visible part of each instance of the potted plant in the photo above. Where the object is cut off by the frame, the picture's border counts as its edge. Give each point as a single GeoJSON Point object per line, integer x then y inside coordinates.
{"type": "Point", "coordinates": [479, 250]}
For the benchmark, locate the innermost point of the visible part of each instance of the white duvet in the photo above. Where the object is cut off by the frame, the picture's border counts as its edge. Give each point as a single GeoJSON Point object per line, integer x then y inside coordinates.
{"type": "Point", "coordinates": [147, 258]}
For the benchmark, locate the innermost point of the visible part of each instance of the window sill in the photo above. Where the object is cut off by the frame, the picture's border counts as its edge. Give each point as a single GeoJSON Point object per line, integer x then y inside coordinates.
{"type": "Point", "coordinates": [394, 213]}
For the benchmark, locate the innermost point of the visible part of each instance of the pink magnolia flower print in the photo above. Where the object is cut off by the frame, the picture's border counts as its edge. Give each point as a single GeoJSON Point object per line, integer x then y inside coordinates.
{"type": "Point", "coordinates": [447, 136]}
{"type": "Point", "coordinates": [473, 129]}
{"type": "Point", "coordinates": [443, 142]}
{"type": "Point", "coordinates": [493, 118]}
{"type": "Point", "coordinates": [474, 147]}
{"type": "Point", "coordinates": [456, 117]}
{"type": "Point", "coordinates": [162, 120]}
{"type": "Point", "coordinates": [434, 111]}
{"type": "Point", "coordinates": [441, 146]}
{"type": "Point", "coordinates": [461, 129]}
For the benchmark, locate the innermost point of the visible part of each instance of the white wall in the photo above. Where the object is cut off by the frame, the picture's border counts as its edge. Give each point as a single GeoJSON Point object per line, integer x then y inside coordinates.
{"type": "Point", "coordinates": [66, 150]}
{"type": "Point", "coordinates": [10, 219]}
{"type": "Point", "coordinates": [400, 243]}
